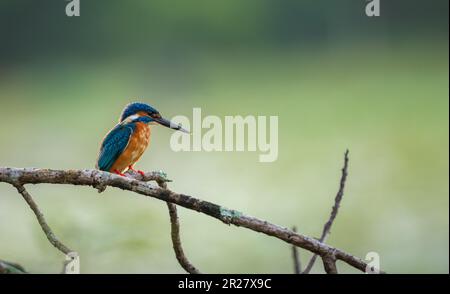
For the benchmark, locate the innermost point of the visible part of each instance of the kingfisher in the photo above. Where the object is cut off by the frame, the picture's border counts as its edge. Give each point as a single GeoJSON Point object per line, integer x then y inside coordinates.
{"type": "Point", "coordinates": [124, 144]}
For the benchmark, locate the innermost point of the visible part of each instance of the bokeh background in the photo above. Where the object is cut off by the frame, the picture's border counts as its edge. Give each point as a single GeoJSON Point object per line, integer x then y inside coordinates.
{"type": "Point", "coordinates": [336, 78]}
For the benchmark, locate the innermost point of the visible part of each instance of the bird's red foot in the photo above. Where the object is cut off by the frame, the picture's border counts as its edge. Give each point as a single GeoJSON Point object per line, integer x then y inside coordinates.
{"type": "Point", "coordinates": [138, 171]}
{"type": "Point", "coordinates": [119, 173]}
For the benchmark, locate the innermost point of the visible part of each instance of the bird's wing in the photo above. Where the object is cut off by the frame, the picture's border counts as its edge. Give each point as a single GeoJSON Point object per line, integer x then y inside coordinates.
{"type": "Point", "coordinates": [113, 145]}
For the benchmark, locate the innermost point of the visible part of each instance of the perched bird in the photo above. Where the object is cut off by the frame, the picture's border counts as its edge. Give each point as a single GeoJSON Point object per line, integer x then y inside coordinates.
{"type": "Point", "coordinates": [126, 142]}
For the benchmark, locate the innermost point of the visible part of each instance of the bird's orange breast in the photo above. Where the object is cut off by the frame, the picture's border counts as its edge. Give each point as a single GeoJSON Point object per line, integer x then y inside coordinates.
{"type": "Point", "coordinates": [139, 141]}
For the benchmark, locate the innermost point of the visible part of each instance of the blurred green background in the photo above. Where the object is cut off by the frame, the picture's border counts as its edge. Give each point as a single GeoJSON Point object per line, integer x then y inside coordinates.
{"type": "Point", "coordinates": [336, 78]}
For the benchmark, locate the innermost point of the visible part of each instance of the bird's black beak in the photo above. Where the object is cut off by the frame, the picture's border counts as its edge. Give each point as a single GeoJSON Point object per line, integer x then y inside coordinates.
{"type": "Point", "coordinates": [169, 124]}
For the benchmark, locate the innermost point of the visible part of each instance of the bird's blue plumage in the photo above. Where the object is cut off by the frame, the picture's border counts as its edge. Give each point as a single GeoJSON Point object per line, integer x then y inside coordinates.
{"type": "Point", "coordinates": [114, 144]}
{"type": "Point", "coordinates": [135, 107]}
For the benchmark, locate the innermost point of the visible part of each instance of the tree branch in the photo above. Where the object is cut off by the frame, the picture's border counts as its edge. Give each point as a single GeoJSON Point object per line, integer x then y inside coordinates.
{"type": "Point", "coordinates": [162, 180]}
{"type": "Point", "coordinates": [296, 256]}
{"type": "Point", "coordinates": [174, 223]}
{"type": "Point", "coordinates": [334, 212]}
{"type": "Point", "coordinates": [176, 241]}
{"type": "Point", "coordinates": [11, 268]}
{"type": "Point", "coordinates": [329, 263]}
{"type": "Point", "coordinates": [40, 217]}
{"type": "Point", "coordinates": [96, 178]}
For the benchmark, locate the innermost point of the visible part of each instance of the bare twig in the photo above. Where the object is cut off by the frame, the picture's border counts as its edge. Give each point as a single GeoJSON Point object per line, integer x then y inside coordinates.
{"type": "Point", "coordinates": [95, 178]}
{"type": "Point", "coordinates": [176, 241]}
{"type": "Point", "coordinates": [11, 268]}
{"type": "Point", "coordinates": [296, 256]}
{"type": "Point", "coordinates": [334, 211]}
{"type": "Point", "coordinates": [174, 223]}
{"type": "Point", "coordinates": [40, 217]}
{"type": "Point", "coordinates": [157, 176]}
{"type": "Point", "coordinates": [329, 264]}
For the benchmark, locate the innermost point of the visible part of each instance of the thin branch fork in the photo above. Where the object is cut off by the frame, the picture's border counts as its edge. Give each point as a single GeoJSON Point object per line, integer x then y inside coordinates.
{"type": "Point", "coordinates": [334, 212]}
{"type": "Point", "coordinates": [11, 268]}
{"type": "Point", "coordinates": [100, 180]}
{"type": "Point", "coordinates": [42, 222]}
{"type": "Point", "coordinates": [176, 241]}
{"type": "Point", "coordinates": [296, 256]}
{"type": "Point", "coordinates": [161, 179]}
{"type": "Point", "coordinates": [329, 263]}
{"type": "Point", "coordinates": [152, 176]}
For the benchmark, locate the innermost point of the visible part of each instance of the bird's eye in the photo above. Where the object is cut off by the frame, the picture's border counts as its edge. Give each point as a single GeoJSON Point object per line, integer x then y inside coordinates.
{"type": "Point", "coordinates": [155, 115]}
